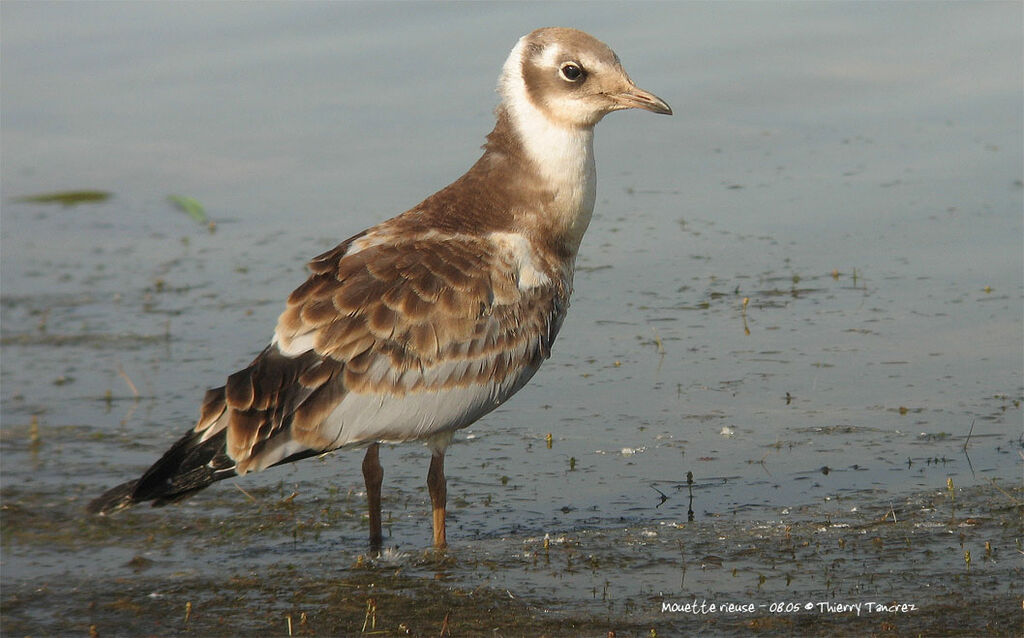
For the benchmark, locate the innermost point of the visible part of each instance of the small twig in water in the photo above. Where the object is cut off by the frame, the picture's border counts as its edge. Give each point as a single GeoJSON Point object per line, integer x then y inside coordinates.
{"type": "Point", "coordinates": [127, 379]}
{"type": "Point", "coordinates": [251, 498]}
{"type": "Point", "coordinates": [657, 340]}
{"type": "Point", "coordinates": [1005, 493]}
{"type": "Point", "coordinates": [663, 497]}
{"type": "Point", "coordinates": [371, 615]}
{"type": "Point", "coordinates": [968, 439]}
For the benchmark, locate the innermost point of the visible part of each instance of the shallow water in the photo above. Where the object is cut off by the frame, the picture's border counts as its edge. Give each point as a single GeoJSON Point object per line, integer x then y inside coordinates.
{"type": "Point", "coordinates": [853, 171]}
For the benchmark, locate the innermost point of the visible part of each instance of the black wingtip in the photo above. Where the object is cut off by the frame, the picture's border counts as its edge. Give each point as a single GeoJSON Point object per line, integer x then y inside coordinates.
{"type": "Point", "coordinates": [189, 466]}
{"type": "Point", "coordinates": [114, 499]}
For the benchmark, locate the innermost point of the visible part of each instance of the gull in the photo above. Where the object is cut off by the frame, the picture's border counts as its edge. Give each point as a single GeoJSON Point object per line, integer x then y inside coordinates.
{"type": "Point", "coordinates": [422, 324]}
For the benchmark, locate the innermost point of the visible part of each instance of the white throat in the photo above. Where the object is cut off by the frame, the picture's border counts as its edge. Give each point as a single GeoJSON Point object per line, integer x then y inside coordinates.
{"type": "Point", "coordinates": [564, 155]}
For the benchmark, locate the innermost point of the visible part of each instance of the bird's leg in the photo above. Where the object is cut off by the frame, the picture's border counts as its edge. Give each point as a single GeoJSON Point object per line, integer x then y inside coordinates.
{"type": "Point", "coordinates": [438, 496]}
{"type": "Point", "coordinates": [373, 474]}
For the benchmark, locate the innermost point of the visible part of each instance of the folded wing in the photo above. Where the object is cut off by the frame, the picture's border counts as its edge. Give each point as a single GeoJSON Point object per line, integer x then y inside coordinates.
{"type": "Point", "coordinates": [395, 336]}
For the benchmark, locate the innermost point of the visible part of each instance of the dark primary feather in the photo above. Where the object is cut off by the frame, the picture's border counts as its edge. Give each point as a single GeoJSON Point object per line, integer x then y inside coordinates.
{"type": "Point", "coordinates": [188, 467]}
{"type": "Point", "coordinates": [183, 470]}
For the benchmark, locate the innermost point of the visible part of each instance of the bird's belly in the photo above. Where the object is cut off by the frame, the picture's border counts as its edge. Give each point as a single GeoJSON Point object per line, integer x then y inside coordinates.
{"type": "Point", "coordinates": [366, 418]}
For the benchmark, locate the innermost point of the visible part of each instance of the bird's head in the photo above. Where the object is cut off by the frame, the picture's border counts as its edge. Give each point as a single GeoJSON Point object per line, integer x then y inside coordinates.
{"type": "Point", "coordinates": [572, 78]}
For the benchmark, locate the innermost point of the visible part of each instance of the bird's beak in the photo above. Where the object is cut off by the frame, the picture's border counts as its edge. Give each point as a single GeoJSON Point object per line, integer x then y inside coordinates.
{"type": "Point", "coordinates": [636, 98]}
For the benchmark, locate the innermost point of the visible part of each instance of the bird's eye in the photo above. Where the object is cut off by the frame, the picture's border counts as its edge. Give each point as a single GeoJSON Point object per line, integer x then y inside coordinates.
{"type": "Point", "coordinates": [572, 72]}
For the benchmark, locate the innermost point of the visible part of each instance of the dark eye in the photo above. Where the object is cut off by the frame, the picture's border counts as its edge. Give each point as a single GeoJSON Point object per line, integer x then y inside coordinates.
{"type": "Point", "coordinates": [572, 72]}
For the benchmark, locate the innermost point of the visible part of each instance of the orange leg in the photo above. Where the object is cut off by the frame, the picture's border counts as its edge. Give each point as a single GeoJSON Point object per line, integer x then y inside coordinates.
{"type": "Point", "coordinates": [373, 474]}
{"type": "Point", "coordinates": [436, 483]}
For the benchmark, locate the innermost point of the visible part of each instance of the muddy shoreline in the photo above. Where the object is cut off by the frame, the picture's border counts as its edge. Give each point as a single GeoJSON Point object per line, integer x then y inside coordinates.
{"type": "Point", "coordinates": [904, 566]}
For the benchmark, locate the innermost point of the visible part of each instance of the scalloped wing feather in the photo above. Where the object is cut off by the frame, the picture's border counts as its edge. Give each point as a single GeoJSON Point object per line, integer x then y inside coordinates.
{"type": "Point", "coordinates": [393, 337]}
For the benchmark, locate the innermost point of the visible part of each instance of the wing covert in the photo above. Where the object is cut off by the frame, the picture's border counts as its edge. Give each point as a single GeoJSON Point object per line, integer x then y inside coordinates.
{"type": "Point", "coordinates": [394, 320]}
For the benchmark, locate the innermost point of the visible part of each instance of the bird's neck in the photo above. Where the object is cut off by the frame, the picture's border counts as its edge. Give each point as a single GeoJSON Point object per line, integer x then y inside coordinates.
{"type": "Point", "coordinates": [559, 159]}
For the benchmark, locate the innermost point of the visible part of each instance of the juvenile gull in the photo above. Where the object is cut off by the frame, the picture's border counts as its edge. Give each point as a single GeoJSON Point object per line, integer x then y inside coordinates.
{"type": "Point", "coordinates": [422, 324]}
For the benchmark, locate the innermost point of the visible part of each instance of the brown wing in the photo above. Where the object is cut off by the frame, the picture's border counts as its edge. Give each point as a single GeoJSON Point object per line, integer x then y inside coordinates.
{"type": "Point", "coordinates": [396, 319]}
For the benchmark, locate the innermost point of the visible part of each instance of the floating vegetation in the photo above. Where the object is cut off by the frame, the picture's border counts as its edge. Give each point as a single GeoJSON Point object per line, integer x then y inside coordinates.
{"type": "Point", "coordinates": [90, 340]}
{"type": "Point", "coordinates": [192, 207]}
{"type": "Point", "coordinates": [67, 198]}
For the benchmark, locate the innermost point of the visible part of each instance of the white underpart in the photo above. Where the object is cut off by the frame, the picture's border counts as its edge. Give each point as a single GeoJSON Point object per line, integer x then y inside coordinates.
{"type": "Point", "coordinates": [517, 248]}
{"type": "Point", "coordinates": [564, 154]}
{"type": "Point", "coordinates": [365, 418]}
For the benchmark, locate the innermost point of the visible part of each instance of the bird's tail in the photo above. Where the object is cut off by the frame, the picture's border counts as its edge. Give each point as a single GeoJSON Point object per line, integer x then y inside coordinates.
{"type": "Point", "coordinates": [190, 465]}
